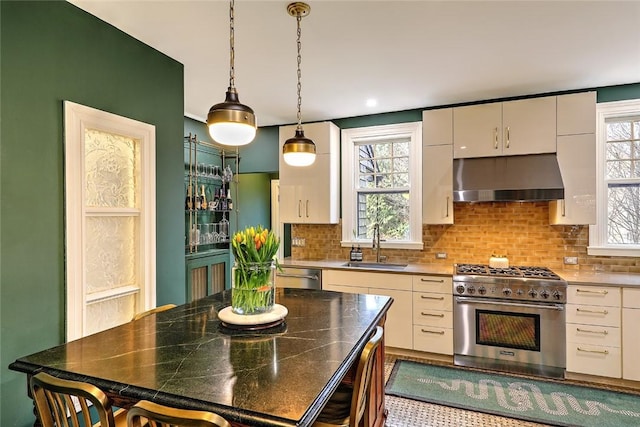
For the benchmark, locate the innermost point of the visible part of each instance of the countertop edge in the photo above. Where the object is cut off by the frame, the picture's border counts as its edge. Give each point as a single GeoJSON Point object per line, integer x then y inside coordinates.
{"type": "Point", "coordinates": [596, 278]}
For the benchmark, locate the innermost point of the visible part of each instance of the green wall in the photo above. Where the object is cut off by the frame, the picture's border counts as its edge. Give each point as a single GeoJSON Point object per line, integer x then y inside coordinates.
{"type": "Point", "coordinates": [53, 51]}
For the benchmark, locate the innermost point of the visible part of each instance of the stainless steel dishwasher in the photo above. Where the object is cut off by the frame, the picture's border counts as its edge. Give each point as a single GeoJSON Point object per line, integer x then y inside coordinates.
{"type": "Point", "coordinates": [294, 277]}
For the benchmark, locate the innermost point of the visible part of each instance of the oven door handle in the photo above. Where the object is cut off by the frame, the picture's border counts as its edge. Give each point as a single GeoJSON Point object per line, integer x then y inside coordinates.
{"type": "Point", "coordinates": [463, 300]}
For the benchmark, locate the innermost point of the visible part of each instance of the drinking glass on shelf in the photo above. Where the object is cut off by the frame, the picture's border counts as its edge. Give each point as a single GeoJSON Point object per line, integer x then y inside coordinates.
{"type": "Point", "coordinates": [224, 229]}
{"type": "Point", "coordinates": [227, 174]}
{"type": "Point", "coordinates": [215, 237]}
{"type": "Point", "coordinates": [216, 172]}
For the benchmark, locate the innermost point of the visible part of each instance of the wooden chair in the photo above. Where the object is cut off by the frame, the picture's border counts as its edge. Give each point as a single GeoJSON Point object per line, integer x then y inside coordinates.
{"type": "Point", "coordinates": [145, 413]}
{"type": "Point", "coordinates": [153, 310]}
{"type": "Point", "coordinates": [63, 403]}
{"type": "Point", "coordinates": [348, 406]}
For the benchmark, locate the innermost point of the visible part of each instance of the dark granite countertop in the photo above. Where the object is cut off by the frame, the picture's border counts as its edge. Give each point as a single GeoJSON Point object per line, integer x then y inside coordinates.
{"type": "Point", "coordinates": [186, 358]}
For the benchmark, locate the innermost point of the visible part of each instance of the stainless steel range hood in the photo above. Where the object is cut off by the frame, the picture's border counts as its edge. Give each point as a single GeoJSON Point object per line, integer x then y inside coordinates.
{"type": "Point", "coordinates": [532, 177]}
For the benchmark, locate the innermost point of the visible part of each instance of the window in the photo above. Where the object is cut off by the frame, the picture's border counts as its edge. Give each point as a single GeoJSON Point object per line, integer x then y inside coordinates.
{"type": "Point", "coordinates": [617, 229]}
{"type": "Point", "coordinates": [382, 184]}
{"type": "Point", "coordinates": [110, 219]}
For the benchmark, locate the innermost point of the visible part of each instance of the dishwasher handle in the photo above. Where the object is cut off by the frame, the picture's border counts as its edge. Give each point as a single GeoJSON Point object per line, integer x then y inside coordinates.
{"type": "Point", "coordinates": [298, 276]}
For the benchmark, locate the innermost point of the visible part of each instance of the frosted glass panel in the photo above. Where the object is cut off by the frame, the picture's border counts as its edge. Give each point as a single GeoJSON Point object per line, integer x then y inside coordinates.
{"type": "Point", "coordinates": [106, 314]}
{"type": "Point", "coordinates": [110, 252]}
{"type": "Point", "coordinates": [111, 170]}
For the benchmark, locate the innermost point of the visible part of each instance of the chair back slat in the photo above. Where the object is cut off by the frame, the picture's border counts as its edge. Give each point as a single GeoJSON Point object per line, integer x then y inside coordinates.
{"type": "Point", "coordinates": [362, 382]}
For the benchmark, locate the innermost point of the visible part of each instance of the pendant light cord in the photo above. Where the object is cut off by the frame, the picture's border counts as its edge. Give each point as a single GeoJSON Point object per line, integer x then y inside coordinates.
{"type": "Point", "coordinates": [298, 19]}
{"type": "Point", "coordinates": [232, 54]}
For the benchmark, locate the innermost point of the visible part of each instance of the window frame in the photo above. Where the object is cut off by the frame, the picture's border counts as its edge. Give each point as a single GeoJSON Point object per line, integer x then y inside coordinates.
{"type": "Point", "coordinates": [350, 138]}
{"type": "Point", "coordinates": [598, 232]}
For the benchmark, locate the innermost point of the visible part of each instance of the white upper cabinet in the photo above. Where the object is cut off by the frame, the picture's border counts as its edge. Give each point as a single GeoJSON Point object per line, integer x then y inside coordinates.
{"type": "Point", "coordinates": [437, 166]}
{"type": "Point", "coordinates": [577, 160]}
{"type": "Point", "coordinates": [577, 113]}
{"type": "Point", "coordinates": [311, 194]}
{"type": "Point", "coordinates": [526, 126]}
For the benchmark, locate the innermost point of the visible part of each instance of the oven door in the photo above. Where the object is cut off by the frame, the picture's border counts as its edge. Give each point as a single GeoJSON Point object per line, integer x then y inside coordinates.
{"type": "Point", "coordinates": [502, 333]}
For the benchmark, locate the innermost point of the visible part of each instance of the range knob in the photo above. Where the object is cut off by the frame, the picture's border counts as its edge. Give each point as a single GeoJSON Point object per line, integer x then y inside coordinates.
{"type": "Point", "coordinates": [519, 292]}
{"type": "Point", "coordinates": [482, 290]}
{"type": "Point", "coordinates": [506, 291]}
{"type": "Point", "coordinates": [471, 289]}
{"type": "Point", "coordinates": [557, 295]}
{"type": "Point", "coordinates": [533, 293]}
{"type": "Point", "coordinates": [544, 294]}
{"type": "Point", "coordinates": [460, 289]}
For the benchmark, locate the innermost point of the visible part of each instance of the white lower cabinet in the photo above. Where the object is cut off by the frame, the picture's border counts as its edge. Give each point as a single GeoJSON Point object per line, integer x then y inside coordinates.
{"type": "Point", "coordinates": [398, 326]}
{"type": "Point", "coordinates": [593, 332]}
{"type": "Point", "coordinates": [630, 341]}
{"type": "Point", "coordinates": [432, 314]}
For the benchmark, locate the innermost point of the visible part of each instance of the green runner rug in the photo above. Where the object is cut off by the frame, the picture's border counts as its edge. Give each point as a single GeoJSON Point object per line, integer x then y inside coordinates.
{"type": "Point", "coordinates": [547, 402]}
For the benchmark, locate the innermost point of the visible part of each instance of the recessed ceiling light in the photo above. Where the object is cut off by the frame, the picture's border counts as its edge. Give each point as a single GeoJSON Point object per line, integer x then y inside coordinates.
{"type": "Point", "coordinates": [371, 102]}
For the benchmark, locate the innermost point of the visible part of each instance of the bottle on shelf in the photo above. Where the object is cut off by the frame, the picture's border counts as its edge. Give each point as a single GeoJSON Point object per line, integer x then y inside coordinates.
{"type": "Point", "coordinates": [188, 201]}
{"type": "Point", "coordinates": [216, 199]}
{"type": "Point", "coordinates": [198, 200]}
{"type": "Point", "coordinates": [229, 201]}
{"type": "Point", "coordinates": [203, 202]}
{"type": "Point", "coordinates": [223, 200]}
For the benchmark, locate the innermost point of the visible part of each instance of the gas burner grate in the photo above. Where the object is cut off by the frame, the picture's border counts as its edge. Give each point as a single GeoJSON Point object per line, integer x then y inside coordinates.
{"type": "Point", "coordinates": [513, 271]}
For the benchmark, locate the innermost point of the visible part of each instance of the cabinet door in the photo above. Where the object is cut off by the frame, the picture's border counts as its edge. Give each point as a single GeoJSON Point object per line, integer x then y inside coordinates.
{"type": "Point", "coordinates": [319, 193]}
{"type": "Point", "coordinates": [207, 275]}
{"type": "Point", "coordinates": [577, 161]}
{"type": "Point", "coordinates": [630, 344]}
{"type": "Point", "coordinates": [577, 113]}
{"type": "Point", "coordinates": [399, 324]}
{"type": "Point", "coordinates": [290, 204]}
{"type": "Point", "coordinates": [529, 126]}
{"type": "Point", "coordinates": [437, 184]}
{"type": "Point", "coordinates": [437, 127]}
{"type": "Point", "coordinates": [477, 130]}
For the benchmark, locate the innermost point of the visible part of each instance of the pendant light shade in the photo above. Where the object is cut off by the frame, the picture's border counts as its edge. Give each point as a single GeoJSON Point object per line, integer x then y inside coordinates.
{"type": "Point", "coordinates": [230, 122]}
{"type": "Point", "coordinates": [299, 150]}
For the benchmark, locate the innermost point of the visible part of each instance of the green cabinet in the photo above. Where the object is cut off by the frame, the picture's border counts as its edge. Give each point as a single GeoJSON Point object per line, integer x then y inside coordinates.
{"type": "Point", "coordinates": [207, 273]}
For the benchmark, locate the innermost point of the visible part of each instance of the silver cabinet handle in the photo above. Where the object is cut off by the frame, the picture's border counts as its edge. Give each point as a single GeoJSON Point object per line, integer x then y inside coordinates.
{"type": "Point", "coordinates": [603, 332]}
{"type": "Point", "coordinates": [426, 331]}
{"type": "Point", "coordinates": [587, 291]}
{"type": "Point", "coordinates": [307, 208]}
{"type": "Point", "coordinates": [431, 314]}
{"type": "Point", "coordinates": [433, 298]}
{"type": "Point", "coordinates": [507, 131]}
{"type": "Point", "coordinates": [594, 351]}
{"type": "Point", "coordinates": [432, 280]}
{"type": "Point", "coordinates": [299, 208]}
{"type": "Point", "coordinates": [564, 207]}
{"type": "Point", "coordinates": [495, 138]}
{"type": "Point", "coordinates": [584, 310]}
{"type": "Point", "coordinates": [447, 215]}
{"type": "Point", "coordinates": [468, 300]}
{"type": "Point", "coordinates": [297, 276]}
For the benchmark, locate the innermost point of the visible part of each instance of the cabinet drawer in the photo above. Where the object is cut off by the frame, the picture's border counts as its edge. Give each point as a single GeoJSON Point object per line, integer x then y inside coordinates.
{"type": "Point", "coordinates": [439, 284]}
{"type": "Point", "coordinates": [367, 279]}
{"type": "Point", "coordinates": [593, 315]}
{"type": "Point", "coordinates": [594, 295]}
{"type": "Point", "coordinates": [431, 301]}
{"type": "Point", "coordinates": [433, 340]}
{"type": "Point", "coordinates": [595, 335]}
{"type": "Point", "coordinates": [631, 298]}
{"type": "Point", "coordinates": [427, 317]}
{"type": "Point", "coordinates": [594, 360]}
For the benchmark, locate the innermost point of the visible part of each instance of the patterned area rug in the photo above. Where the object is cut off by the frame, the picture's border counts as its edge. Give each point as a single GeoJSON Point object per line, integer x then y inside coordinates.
{"type": "Point", "coordinates": [548, 402]}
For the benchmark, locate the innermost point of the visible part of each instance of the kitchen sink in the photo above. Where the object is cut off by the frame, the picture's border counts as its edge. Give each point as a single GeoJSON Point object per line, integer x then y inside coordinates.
{"type": "Point", "coordinates": [377, 265]}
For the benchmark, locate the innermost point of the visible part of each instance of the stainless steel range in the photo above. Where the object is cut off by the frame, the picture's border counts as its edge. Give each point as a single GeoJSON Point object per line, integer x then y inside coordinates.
{"type": "Point", "coordinates": [509, 319]}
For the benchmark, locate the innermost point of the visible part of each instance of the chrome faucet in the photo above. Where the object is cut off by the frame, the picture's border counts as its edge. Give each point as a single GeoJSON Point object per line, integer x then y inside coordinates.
{"type": "Point", "coordinates": [376, 243]}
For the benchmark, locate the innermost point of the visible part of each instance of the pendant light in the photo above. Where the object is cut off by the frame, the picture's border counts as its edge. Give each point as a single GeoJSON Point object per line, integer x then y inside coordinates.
{"type": "Point", "coordinates": [299, 150]}
{"type": "Point", "coordinates": [230, 122]}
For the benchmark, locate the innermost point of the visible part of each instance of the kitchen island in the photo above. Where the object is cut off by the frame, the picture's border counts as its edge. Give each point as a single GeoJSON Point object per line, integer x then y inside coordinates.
{"type": "Point", "coordinates": [186, 358]}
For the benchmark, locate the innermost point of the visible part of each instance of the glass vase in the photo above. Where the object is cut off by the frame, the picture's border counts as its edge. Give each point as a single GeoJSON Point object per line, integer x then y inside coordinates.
{"type": "Point", "coordinates": [252, 287]}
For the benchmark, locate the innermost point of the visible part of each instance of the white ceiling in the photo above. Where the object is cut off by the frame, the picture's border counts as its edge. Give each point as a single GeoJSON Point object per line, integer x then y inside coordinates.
{"type": "Point", "coordinates": [405, 54]}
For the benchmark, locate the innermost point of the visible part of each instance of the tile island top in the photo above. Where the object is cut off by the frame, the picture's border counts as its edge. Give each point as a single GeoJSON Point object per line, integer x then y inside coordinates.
{"type": "Point", "coordinates": [184, 357]}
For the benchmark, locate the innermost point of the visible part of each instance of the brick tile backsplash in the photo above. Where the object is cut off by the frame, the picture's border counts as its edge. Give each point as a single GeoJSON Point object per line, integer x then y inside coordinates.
{"type": "Point", "coordinates": [521, 231]}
